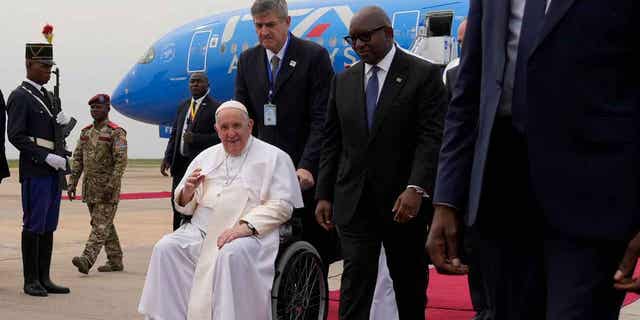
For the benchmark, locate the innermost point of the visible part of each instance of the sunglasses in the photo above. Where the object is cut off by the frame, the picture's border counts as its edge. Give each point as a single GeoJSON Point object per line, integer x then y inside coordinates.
{"type": "Point", "coordinates": [364, 37]}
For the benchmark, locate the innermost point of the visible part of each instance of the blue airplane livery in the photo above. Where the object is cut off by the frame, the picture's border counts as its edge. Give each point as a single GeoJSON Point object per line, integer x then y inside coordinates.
{"type": "Point", "coordinates": [152, 90]}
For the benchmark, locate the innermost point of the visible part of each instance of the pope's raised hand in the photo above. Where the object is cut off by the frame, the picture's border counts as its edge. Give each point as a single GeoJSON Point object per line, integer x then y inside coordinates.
{"type": "Point", "coordinates": [191, 184]}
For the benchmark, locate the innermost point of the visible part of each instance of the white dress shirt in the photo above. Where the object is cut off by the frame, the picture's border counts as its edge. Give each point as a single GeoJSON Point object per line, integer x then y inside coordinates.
{"type": "Point", "coordinates": [383, 70]}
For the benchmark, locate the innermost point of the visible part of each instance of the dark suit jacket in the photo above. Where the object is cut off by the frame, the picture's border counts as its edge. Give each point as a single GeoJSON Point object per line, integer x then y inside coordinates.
{"type": "Point", "coordinates": [28, 118]}
{"type": "Point", "coordinates": [582, 115]}
{"type": "Point", "coordinates": [402, 147]}
{"type": "Point", "coordinates": [203, 128]}
{"type": "Point", "coordinates": [451, 76]}
{"type": "Point", "coordinates": [301, 93]}
{"type": "Point", "coordinates": [4, 168]}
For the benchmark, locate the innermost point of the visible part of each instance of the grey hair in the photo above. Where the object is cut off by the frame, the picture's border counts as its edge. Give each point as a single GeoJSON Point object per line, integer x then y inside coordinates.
{"type": "Point", "coordinates": [279, 7]}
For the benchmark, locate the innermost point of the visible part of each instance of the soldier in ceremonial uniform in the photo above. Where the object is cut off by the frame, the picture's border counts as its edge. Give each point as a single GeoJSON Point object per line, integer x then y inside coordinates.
{"type": "Point", "coordinates": [34, 128]}
{"type": "Point", "coordinates": [101, 153]}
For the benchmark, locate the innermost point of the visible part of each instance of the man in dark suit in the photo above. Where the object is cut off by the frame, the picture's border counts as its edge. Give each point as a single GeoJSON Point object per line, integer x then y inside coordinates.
{"type": "Point", "coordinates": [193, 131]}
{"type": "Point", "coordinates": [378, 165]}
{"type": "Point", "coordinates": [470, 256]}
{"type": "Point", "coordinates": [284, 82]}
{"type": "Point", "coordinates": [33, 127]}
{"type": "Point", "coordinates": [4, 168]}
{"type": "Point", "coordinates": [540, 154]}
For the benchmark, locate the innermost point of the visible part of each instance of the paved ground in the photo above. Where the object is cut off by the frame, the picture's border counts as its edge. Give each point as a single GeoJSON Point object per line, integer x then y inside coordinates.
{"type": "Point", "coordinates": [140, 224]}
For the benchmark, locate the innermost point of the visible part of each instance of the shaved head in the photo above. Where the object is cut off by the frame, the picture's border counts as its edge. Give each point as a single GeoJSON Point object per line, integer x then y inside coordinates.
{"type": "Point", "coordinates": [371, 34]}
{"type": "Point", "coordinates": [371, 16]}
{"type": "Point", "coordinates": [461, 30]}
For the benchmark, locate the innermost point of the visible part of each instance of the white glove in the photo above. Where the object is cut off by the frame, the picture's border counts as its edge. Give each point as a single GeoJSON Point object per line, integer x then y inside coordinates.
{"type": "Point", "coordinates": [57, 162]}
{"type": "Point", "coordinates": [62, 118]}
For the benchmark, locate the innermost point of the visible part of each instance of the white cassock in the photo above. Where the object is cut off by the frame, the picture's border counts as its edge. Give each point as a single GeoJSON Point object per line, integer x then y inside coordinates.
{"type": "Point", "coordinates": [188, 277]}
{"type": "Point", "coordinates": [383, 306]}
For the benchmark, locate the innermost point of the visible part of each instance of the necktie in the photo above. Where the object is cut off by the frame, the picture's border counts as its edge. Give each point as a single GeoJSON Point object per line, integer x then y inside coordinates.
{"type": "Point", "coordinates": [275, 62]}
{"type": "Point", "coordinates": [191, 113]}
{"type": "Point", "coordinates": [532, 21]}
{"type": "Point", "coordinates": [371, 93]}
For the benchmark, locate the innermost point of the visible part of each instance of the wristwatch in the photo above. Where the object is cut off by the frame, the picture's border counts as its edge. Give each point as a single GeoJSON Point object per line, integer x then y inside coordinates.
{"type": "Point", "coordinates": [251, 228]}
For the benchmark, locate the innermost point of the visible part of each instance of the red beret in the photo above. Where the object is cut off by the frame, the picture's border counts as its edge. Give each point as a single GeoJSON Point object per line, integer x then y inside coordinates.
{"type": "Point", "coordinates": [100, 98]}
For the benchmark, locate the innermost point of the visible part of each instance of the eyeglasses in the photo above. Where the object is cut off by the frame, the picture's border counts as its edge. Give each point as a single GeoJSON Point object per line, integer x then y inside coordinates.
{"type": "Point", "coordinates": [364, 37]}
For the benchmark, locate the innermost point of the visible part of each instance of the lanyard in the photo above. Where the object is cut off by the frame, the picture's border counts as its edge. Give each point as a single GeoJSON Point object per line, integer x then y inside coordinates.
{"type": "Point", "coordinates": [271, 75]}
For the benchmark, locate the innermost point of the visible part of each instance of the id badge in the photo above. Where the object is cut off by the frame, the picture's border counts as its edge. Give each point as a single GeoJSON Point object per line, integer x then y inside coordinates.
{"type": "Point", "coordinates": [270, 115]}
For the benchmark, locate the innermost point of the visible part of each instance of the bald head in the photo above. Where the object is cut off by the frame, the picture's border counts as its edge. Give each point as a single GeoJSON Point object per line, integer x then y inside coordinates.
{"type": "Point", "coordinates": [462, 28]}
{"type": "Point", "coordinates": [371, 34]}
{"type": "Point", "coordinates": [372, 16]}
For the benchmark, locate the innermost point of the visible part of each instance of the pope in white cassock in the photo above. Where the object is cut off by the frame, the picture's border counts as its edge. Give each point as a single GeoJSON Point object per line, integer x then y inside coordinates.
{"type": "Point", "coordinates": [221, 265]}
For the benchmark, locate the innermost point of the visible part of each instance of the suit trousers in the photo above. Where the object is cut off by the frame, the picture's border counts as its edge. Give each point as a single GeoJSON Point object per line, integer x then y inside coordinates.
{"type": "Point", "coordinates": [404, 244]}
{"type": "Point", "coordinates": [326, 242]}
{"type": "Point", "coordinates": [530, 270]}
{"type": "Point", "coordinates": [179, 167]}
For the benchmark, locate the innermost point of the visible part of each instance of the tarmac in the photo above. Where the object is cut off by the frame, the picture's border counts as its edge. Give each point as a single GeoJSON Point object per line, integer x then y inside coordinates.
{"type": "Point", "coordinates": [140, 223]}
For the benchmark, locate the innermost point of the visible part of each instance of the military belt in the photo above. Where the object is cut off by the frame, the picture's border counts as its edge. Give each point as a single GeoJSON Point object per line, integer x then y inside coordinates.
{"type": "Point", "coordinates": [47, 144]}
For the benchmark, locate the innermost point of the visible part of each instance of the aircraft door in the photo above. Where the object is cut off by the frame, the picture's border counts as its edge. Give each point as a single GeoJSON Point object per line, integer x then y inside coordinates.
{"type": "Point", "coordinates": [435, 41]}
{"type": "Point", "coordinates": [405, 26]}
{"type": "Point", "coordinates": [197, 60]}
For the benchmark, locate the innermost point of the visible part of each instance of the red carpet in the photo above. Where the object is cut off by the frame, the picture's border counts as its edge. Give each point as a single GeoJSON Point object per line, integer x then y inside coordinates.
{"type": "Point", "coordinates": [448, 298]}
{"type": "Point", "coordinates": [448, 295]}
{"type": "Point", "coordinates": [135, 195]}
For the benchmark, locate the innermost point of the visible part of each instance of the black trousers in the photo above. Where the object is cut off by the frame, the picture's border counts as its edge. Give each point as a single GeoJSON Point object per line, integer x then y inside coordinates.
{"type": "Point", "coordinates": [404, 245]}
{"type": "Point", "coordinates": [326, 242]}
{"type": "Point", "coordinates": [178, 169]}
{"type": "Point", "coordinates": [530, 270]}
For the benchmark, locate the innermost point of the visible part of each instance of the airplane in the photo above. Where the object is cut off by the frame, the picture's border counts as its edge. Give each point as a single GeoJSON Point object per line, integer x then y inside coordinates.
{"type": "Point", "coordinates": [152, 90]}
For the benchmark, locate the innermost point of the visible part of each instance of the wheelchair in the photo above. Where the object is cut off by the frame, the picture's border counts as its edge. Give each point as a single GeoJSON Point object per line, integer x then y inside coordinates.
{"type": "Point", "coordinates": [300, 289]}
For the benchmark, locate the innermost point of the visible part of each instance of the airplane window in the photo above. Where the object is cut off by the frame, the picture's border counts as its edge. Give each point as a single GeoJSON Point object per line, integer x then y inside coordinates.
{"type": "Point", "coordinates": [148, 56]}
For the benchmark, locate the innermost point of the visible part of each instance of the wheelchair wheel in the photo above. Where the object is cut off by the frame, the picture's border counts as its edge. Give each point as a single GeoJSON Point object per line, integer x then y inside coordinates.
{"type": "Point", "coordinates": [300, 290]}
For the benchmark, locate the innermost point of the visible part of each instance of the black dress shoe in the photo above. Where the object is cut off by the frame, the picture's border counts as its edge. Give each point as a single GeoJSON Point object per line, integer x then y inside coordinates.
{"type": "Point", "coordinates": [35, 289]}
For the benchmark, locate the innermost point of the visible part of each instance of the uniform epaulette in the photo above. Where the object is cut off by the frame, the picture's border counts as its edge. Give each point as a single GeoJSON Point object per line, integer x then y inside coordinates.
{"type": "Point", "coordinates": [112, 125]}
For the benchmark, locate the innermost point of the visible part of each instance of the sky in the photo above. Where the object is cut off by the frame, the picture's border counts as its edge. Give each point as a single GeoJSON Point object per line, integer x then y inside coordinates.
{"type": "Point", "coordinates": [95, 44]}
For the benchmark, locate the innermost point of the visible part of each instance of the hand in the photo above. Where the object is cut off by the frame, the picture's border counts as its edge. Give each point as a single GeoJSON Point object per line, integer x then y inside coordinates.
{"type": "Point", "coordinates": [442, 244]}
{"type": "Point", "coordinates": [55, 161]}
{"type": "Point", "coordinates": [187, 137]}
{"type": "Point", "coordinates": [71, 192]}
{"type": "Point", "coordinates": [623, 278]}
{"type": "Point", "coordinates": [324, 214]}
{"type": "Point", "coordinates": [164, 166]}
{"type": "Point", "coordinates": [62, 118]}
{"type": "Point", "coordinates": [407, 206]}
{"type": "Point", "coordinates": [190, 186]}
{"type": "Point", "coordinates": [240, 230]}
{"type": "Point", "coordinates": [305, 178]}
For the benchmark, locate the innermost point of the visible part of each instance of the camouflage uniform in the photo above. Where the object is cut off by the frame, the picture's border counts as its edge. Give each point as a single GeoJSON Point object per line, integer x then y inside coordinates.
{"type": "Point", "coordinates": [102, 154]}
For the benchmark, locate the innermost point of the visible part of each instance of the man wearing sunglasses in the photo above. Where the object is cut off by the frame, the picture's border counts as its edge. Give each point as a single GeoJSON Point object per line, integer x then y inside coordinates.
{"type": "Point", "coordinates": [284, 83]}
{"type": "Point", "coordinates": [378, 163]}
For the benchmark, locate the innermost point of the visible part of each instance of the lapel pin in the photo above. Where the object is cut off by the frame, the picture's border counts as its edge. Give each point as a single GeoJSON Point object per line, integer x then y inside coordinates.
{"type": "Point", "coordinates": [399, 80]}
{"type": "Point", "coordinates": [292, 63]}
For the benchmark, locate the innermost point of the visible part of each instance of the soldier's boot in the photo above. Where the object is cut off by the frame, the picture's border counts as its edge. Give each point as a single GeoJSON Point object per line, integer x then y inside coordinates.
{"type": "Point", "coordinates": [111, 267]}
{"type": "Point", "coordinates": [44, 264]}
{"type": "Point", "coordinates": [82, 263]}
{"type": "Point", "coordinates": [32, 285]}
